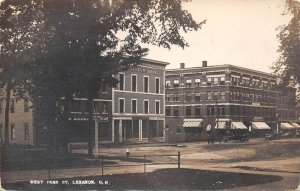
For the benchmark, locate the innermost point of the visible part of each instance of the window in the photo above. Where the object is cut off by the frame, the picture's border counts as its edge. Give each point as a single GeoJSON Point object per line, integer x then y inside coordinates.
{"type": "Point", "coordinates": [175, 97]}
{"type": "Point", "coordinates": [157, 85]}
{"type": "Point", "coordinates": [223, 96]}
{"type": "Point", "coordinates": [26, 131]}
{"type": "Point", "coordinates": [198, 111]}
{"type": "Point", "coordinates": [209, 95]}
{"type": "Point", "coordinates": [176, 83]}
{"type": "Point", "coordinates": [208, 81]}
{"type": "Point", "coordinates": [133, 106]}
{"type": "Point", "coordinates": [188, 110]}
{"type": "Point", "coordinates": [168, 111]}
{"type": "Point", "coordinates": [176, 111]}
{"type": "Point", "coordinates": [157, 107]}
{"type": "Point", "coordinates": [121, 81]}
{"type": "Point", "coordinates": [188, 83]}
{"type": "Point", "coordinates": [222, 81]}
{"type": "Point", "coordinates": [104, 86]}
{"type": "Point", "coordinates": [121, 105]}
{"type": "Point", "coordinates": [197, 96]}
{"type": "Point", "coordinates": [168, 84]}
{"type": "Point", "coordinates": [105, 106]}
{"type": "Point", "coordinates": [146, 106]}
{"type": "Point", "coordinates": [197, 82]}
{"type": "Point", "coordinates": [216, 81]}
{"type": "Point", "coordinates": [210, 110]}
{"type": "Point", "coordinates": [26, 105]}
{"type": "Point", "coordinates": [221, 110]}
{"type": "Point", "coordinates": [12, 131]}
{"type": "Point", "coordinates": [168, 97]}
{"type": "Point", "coordinates": [146, 83]}
{"type": "Point", "coordinates": [216, 95]}
{"type": "Point", "coordinates": [12, 106]}
{"type": "Point", "coordinates": [188, 96]}
{"type": "Point", "coordinates": [133, 83]}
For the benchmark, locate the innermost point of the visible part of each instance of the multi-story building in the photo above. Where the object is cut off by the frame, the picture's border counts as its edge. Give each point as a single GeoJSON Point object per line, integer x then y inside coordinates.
{"type": "Point", "coordinates": [133, 111]}
{"type": "Point", "coordinates": [139, 103]}
{"type": "Point", "coordinates": [21, 128]}
{"type": "Point", "coordinates": [224, 96]}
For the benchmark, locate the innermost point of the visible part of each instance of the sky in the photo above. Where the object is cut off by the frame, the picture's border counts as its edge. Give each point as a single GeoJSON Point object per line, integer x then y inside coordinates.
{"type": "Point", "coordinates": [237, 32]}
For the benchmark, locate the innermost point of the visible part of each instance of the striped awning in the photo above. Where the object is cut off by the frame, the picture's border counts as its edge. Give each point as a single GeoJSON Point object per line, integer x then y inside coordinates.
{"type": "Point", "coordinates": [238, 125]}
{"type": "Point", "coordinates": [192, 122]}
{"type": "Point", "coordinates": [286, 126]}
{"type": "Point", "coordinates": [260, 125]}
{"type": "Point", "coordinates": [220, 125]}
{"type": "Point", "coordinates": [296, 126]}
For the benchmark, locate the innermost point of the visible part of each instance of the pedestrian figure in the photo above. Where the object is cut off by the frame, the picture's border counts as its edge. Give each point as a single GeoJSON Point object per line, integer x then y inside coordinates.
{"type": "Point", "coordinates": [209, 133]}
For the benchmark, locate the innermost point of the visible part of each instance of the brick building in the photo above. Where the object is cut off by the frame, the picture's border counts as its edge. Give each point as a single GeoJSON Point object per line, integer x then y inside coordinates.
{"type": "Point", "coordinates": [226, 97]}
{"type": "Point", "coordinates": [139, 102]}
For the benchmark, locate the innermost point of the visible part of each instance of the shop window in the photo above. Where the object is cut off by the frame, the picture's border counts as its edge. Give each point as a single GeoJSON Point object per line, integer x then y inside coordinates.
{"type": "Point", "coordinates": [216, 81]}
{"type": "Point", "coordinates": [209, 81]}
{"type": "Point", "coordinates": [222, 81]}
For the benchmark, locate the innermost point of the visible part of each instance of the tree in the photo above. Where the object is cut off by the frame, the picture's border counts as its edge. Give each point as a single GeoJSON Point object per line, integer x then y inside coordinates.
{"type": "Point", "coordinates": [89, 40]}
{"type": "Point", "coordinates": [19, 34]}
{"type": "Point", "coordinates": [288, 63]}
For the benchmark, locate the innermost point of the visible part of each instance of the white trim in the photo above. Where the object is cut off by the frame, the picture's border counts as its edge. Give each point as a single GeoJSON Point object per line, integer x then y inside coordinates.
{"type": "Point", "coordinates": [136, 88]}
{"type": "Point", "coordinates": [235, 76]}
{"type": "Point", "coordinates": [246, 78]}
{"type": "Point", "coordinates": [215, 76]}
{"type": "Point", "coordinates": [137, 114]}
{"type": "Point", "coordinates": [144, 106]}
{"type": "Point", "coordinates": [158, 106]}
{"type": "Point", "coordinates": [119, 108]}
{"type": "Point", "coordinates": [144, 84]}
{"type": "Point", "coordinates": [123, 81]}
{"type": "Point", "coordinates": [136, 111]}
{"type": "Point", "coordinates": [158, 85]}
{"type": "Point", "coordinates": [139, 93]}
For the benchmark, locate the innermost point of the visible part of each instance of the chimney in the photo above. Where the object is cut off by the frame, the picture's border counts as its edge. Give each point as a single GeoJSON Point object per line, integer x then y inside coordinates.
{"type": "Point", "coordinates": [182, 65]}
{"type": "Point", "coordinates": [204, 63]}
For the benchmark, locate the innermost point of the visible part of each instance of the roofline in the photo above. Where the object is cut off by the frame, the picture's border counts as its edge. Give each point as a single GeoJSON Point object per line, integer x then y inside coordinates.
{"type": "Point", "coordinates": [218, 66]}
{"type": "Point", "coordinates": [155, 61]}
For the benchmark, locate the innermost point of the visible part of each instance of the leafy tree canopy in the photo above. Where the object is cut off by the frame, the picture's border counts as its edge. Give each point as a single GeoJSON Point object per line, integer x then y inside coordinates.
{"type": "Point", "coordinates": [288, 63]}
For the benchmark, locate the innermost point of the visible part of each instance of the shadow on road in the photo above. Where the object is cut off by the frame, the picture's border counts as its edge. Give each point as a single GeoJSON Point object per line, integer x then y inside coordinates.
{"type": "Point", "coordinates": [163, 179]}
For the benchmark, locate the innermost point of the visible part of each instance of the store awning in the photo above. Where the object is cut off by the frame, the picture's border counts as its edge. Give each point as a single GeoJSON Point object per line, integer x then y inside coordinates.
{"type": "Point", "coordinates": [296, 126]}
{"type": "Point", "coordinates": [260, 125]}
{"type": "Point", "coordinates": [192, 122]}
{"type": "Point", "coordinates": [238, 125]}
{"type": "Point", "coordinates": [221, 125]}
{"type": "Point", "coordinates": [286, 126]}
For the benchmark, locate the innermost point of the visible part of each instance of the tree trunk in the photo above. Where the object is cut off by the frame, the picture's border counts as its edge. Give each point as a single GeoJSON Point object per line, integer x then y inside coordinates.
{"type": "Point", "coordinates": [6, 119]}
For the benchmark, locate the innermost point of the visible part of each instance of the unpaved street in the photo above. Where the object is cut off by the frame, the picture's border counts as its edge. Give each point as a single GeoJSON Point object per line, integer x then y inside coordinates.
{"type": "Point", "coordinates": [258, 156]}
